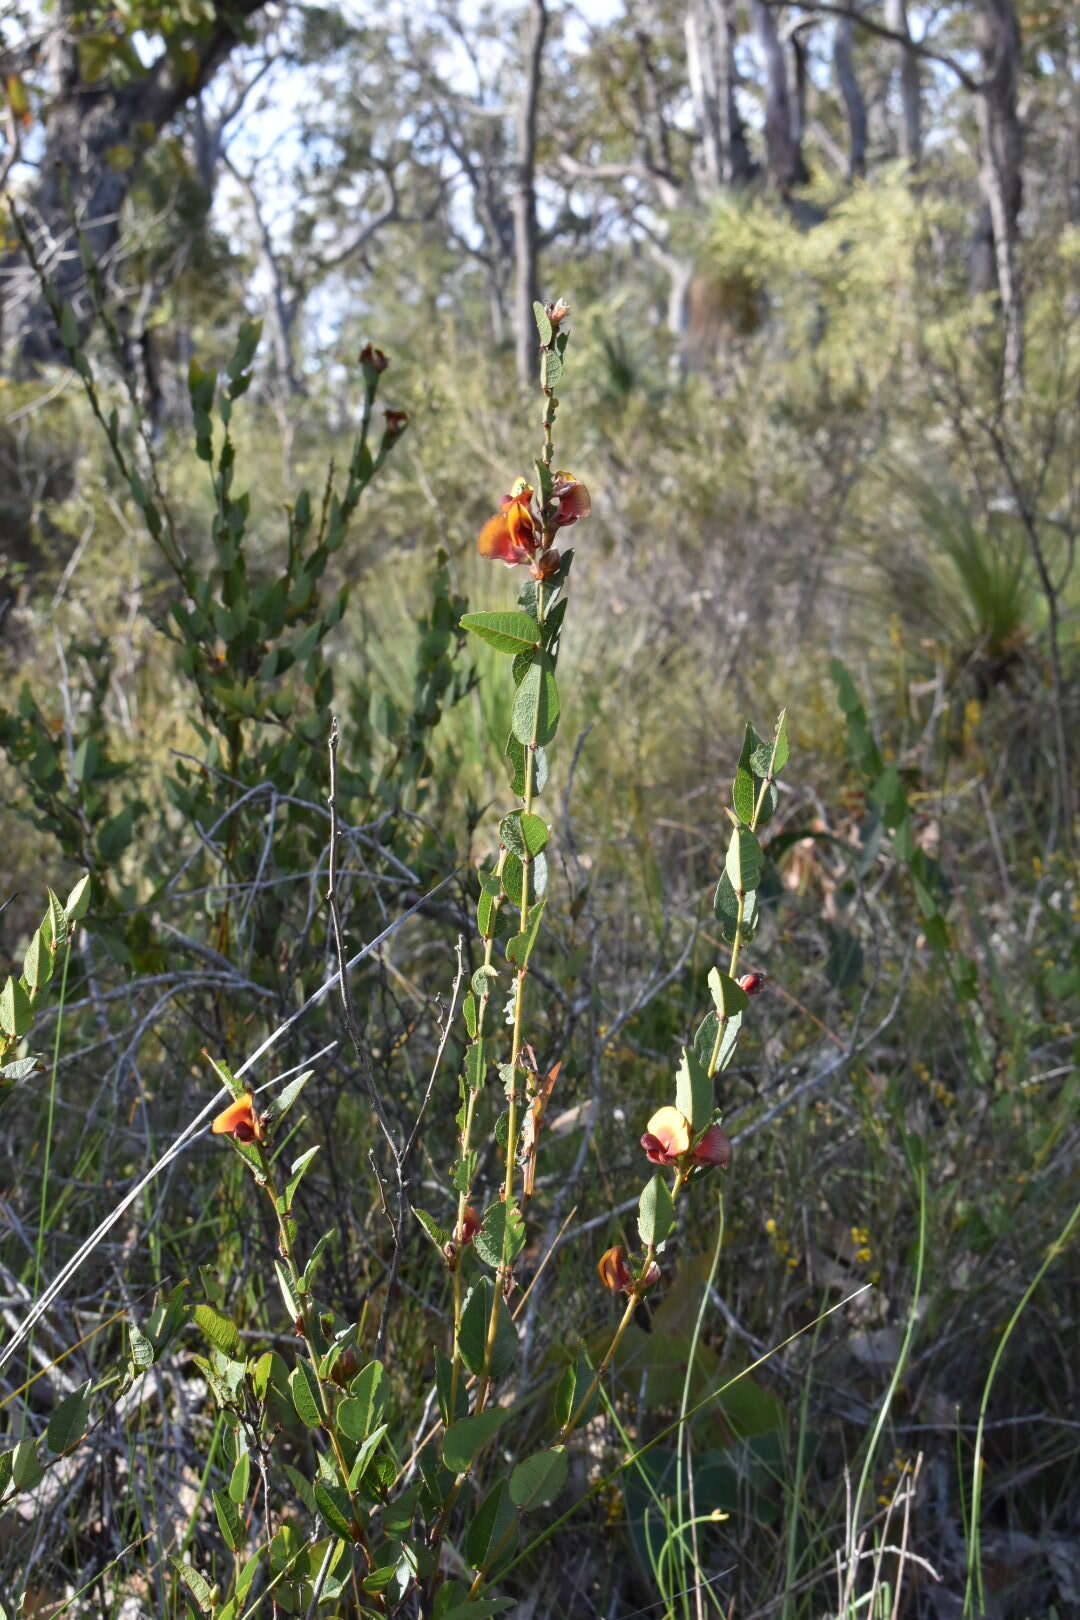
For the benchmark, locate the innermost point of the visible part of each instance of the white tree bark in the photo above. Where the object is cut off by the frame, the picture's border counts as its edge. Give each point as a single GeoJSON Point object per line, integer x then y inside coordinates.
{"type": "Point", "coordinates": [910, 132]}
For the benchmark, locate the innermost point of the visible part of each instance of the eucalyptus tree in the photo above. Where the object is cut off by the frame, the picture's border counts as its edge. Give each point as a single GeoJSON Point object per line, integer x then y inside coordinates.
{"type": "Point", "coordinates": [96, 88]}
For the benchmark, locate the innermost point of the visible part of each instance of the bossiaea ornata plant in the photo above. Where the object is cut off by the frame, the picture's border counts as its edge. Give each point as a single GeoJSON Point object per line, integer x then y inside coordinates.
{"type": "Point", "coordinates": [338, 1497]}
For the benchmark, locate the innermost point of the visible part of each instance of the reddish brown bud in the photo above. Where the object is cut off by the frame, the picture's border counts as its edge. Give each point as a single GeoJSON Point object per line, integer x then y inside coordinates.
{"type": "Point", "coordinates": [714, 1148]}
{"type": "Point", "coordinates": [370, 356]}
{"type": "Point", "coordinates": [651, 1275]}
{"type": "Point", "coordinates": [545, 564]}
{"type": "Point", "coordinates": [345, 1367]}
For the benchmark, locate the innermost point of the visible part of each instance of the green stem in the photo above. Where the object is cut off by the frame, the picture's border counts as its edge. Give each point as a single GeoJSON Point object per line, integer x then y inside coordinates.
{"type": "Point", "coordinates": [737, 942]}
{"type": "Point", "coordinates": [682, 1467]}
{"type": "Point", "coordinates": [516, 1043]}
{"type": "Point", "coordinates": [974, 1597]}
{"type": "Point", "coordinates": [43, 1207]}
{"type": "Point", "coordinates": [288, 1252]}
{"type": "Point", "coordinates": [463, 1197]}
{"type": "Point", "coordinates": [637, 1293]}
{"type": "Point", "coordinates": [715, 1394]}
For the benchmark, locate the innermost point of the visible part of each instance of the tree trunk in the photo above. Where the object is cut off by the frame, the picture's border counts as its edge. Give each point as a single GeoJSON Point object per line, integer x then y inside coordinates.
{"type": "Point", "coordinates": [82, 189]}
{"type": "Point", "coordinates": [701, 71]}
{"type": "Point", "coordinates": [910, 89]}
{"type": "Point", "coordinates": [854, 105]}
{"type": "Point", "coordinates": [783, 153]}
{"type": "Point", "coordinates": [526, 274]}
{"type": "Point", "coordinates": [738, 164]}
{"type": "Point", "coordinates": [710, 58]}
{"type": "Point", "coordinates": [1000, 172]}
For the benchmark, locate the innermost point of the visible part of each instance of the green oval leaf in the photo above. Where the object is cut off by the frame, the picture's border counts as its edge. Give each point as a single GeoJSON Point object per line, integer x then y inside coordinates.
{"type": "Point", "coordinates": [367, 1388]}
{"type": "Point", "coordinates": [58, 927]}
{"type": "Point", "coordinates": [305, 1395]}
{"type": "Point", "coordinates": [656, 1212]}
{"type": "Point", "coordinates": [219, 1330]}
{"type": "Point", "coordinates": [551, 368]}
{"type": "Point", "coordinates": [520, 948]}
{"type": "Point", "coordinates": [292, 1304]}
{"type": "Point", "coordinates": [285, 1099]}
{"type": "Point", "coordinates": [26, 1466]}
{"type": "Point", "coordinates": [38, 961]}
{"type": "Point", "coordinates": [538, 1479]}
{"type": "Point", "coordinates": [726, 911]}
{"type": "Point", "coordinates": [240, 1479]}
{"type": "Point", "coordinates": [440, 1237]}
{"type": "Point", "coordinates": [536, 706]}
{"type": "Point", "coordinates": [694, 1091]}
{"type": "Point", "coordinates": [67, 1425]}
{"type": "Point", "coordinates": [499, 1226]}
{"type": "Point", "coordinates": [512, 879]}
{"type": "Point", "coordinates": [474, 1326]}
{"type": "Point", "coordinates": [523, 832]}
{"type": "Point", "coordinates": [197, 1584]}
{"type": "Point", "coordinates": [365, 1454]}
{"type": "Point", "coordinates": [488, 1532]}
{"type": "Point", "coordinates": [781, 747]}
{"type": "Point", "coordinates": [507, 632]}
{"type": "Point", "coordinates": [744, 795]}
{"type": "Point", "coordinates": [229, 1520]}
{"type": "Point", "coordinates": [516, 753]}
{"type": "Point", "coordinates": [16, 1015]}
{"type": "Point", "coordinates": [142, 1348]}
{"type": "Point", "coordinates": [728, 996]}
{"type": "Point", "coordinates": [465, 1439]}
{"type": "Point", "coordinates": [334, 1509]}
{"type": "Point", "coordinates": [744, 860]}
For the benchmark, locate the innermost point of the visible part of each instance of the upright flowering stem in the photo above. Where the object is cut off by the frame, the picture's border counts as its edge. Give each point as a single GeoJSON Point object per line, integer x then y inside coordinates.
{"type": "Point", "coordinates": [520, 534]}
{"type": "Point", "coordinates": [306, 1325]}
{"type": "Point", "coordinates": [472, 1094]}
{"type": "Point", "coordinates": [775, 764]}
{"type": "Point", "coordinates": [561, 501]}
{"type": "Point", "coordinates": [503, 1274]}
{"type": "Point", "coordinates": [635, 1290]}
{"type": "Point", "coordinates": [687, 1136]}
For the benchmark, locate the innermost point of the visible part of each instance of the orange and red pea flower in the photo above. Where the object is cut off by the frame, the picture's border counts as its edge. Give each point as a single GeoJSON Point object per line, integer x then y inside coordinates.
{"type": "Point", "coordinates": [668, 1138]}
{"type": "Point", "coordinates": [239, 1120]}
{"type": "Point", "coordinates": [613, 1270]}
{"type": "Point", "coordinates": [514, 535]}
{"type": "Point", "coordinates": [615, 1273]}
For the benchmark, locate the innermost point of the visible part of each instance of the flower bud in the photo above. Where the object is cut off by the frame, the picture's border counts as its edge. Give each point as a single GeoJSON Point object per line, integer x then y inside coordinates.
{"type": "Point", "coordinates": [370, 356]}
{"type": "Point", "coordinates": [345, 1367]}
{"type": "Point", "coordinates": [545, 564]}
{"type": "Point", "coordinates": [714, 1148]}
